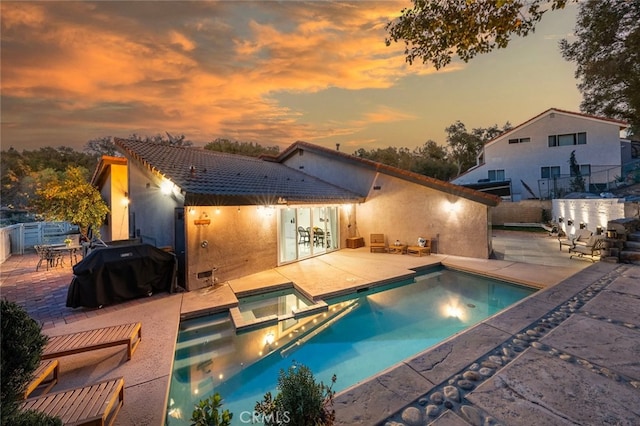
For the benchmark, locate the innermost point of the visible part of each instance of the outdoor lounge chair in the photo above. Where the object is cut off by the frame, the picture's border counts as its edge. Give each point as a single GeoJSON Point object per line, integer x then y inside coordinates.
{"type": "Point", "coordinates": [84, 341]}
{"type": "Point", "coordinates": [591, 249]}
{"type": "Point", "coordinates": [96, 404]}
{"type": "Point", "coordinates": [580, 238]}
{"type": "Point", "coordinates": [377, 243]}
{"type": "Point", "coordinates": [47, 368]}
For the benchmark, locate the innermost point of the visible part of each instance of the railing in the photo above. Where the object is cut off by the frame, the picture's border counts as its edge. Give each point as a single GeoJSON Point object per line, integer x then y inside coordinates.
{"type": "Point", "coordinates": [16, 239]}
{"type": "Point", "coordinates": [597, 182]}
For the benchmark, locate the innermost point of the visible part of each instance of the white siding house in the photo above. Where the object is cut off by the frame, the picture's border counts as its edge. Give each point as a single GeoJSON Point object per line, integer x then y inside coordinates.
{"type": "Point", "coordinates": [534, 156]}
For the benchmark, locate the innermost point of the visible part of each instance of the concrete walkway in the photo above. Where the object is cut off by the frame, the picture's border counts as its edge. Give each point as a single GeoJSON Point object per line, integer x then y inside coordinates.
{"type": "Point", "coordinates": [566, 355]}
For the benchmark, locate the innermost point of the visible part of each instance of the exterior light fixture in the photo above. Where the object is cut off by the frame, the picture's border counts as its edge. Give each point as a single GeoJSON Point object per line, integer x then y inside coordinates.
{"type": "Point", "coordinates": [166, 187]}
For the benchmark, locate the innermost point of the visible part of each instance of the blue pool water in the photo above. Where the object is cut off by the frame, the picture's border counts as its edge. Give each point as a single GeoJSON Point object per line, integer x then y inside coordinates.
{"type": "Point", "coordinates": [358, 336]}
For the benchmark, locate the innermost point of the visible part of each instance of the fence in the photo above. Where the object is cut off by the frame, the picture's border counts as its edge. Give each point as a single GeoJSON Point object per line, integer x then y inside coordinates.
{"type": "Point", "coordinates": [598, 181]}
{"type": "Point", "coordinates": [16, 239]}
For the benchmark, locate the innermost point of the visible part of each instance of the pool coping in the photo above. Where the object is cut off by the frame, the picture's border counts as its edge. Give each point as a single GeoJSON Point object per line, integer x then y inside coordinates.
{"type": "Point", "coordinates": [383, 397]}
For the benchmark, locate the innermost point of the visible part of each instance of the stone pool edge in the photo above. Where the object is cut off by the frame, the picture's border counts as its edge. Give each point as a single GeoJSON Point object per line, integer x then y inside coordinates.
{"type": "Point", "coordinates": [386, 394]}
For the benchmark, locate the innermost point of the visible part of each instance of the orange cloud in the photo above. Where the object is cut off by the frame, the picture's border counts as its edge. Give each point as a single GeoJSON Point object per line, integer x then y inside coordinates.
{"type": "Point", "coordinates": [106, 67]}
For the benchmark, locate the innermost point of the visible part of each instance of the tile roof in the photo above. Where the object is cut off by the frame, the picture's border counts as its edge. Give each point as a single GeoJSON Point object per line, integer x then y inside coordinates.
{"type": "Point", "coordinates": [429, 182]}
{"type": "Point", "coordinates": [214, 178]}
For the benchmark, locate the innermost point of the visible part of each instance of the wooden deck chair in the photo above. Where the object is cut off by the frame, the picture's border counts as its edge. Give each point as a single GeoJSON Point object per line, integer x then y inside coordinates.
{"type": "Point", "coordinates": [376, 243]}
{"type": "Point", "coordinates": [84, 341]}
{"type": "Point", "coordinates": [96, 404]}
{"type": "Point", "coordinates": [47, 368]}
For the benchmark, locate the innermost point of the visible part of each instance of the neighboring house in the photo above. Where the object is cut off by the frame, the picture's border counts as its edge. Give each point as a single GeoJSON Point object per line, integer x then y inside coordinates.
{"type": "Point", "coordinates": [533, 158]}
{"type": "Point", "coordinates": [226, 216]}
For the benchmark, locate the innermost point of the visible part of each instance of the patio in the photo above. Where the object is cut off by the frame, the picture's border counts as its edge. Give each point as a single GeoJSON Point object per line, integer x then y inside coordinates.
{"type": "Point", "coordinates": [565, 351]}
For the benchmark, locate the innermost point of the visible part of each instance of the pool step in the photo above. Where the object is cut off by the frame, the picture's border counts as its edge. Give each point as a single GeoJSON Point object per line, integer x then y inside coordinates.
{"type": "Point", "coordinates": [204, 359]}
{"type": "Point", "coordinates": [204, 339]}
{"type": "Point", "coordinates": [197, 324]}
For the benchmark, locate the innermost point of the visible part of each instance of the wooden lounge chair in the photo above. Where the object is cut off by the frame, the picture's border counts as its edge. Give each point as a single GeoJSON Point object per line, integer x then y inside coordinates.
{"type": "Point", "coordinates": [50, 367]}
{"type": "Point", "coordinates": [591, 249]}
{"type": "Point", "coordinates": [84, 341]}
{"type": "Point", "coordinates": [97, 404]}
{"type": "Point", "coordinates": [377, 243]}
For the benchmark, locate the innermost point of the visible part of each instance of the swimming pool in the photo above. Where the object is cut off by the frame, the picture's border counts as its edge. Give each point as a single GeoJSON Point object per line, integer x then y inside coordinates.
{"type": "Point", "coordinates": [357, 336]}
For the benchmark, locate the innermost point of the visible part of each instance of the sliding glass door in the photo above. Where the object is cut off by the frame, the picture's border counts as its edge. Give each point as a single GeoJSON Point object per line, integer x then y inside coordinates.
{"type": "Point", "coordinates": [306, 232]}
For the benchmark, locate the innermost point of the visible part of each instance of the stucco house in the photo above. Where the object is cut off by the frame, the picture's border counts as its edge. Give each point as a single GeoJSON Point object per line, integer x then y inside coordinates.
{"type": "Point", "coordinates": [227, 216]}
{"type": "Point", "coordinates": [532, 159]}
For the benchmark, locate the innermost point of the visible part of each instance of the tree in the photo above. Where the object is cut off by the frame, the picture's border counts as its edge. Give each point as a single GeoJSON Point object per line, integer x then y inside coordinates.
{"type": "Point", "coordinates": [22, 343]}
{"type": "Point", "coordinates": [179, 140]}
{"type": "Point", "coordinates": [249, 149]}
{"type": "Point", "coordinates": [431, 160]}
{"type": "Point", "coordinates": [463, 146]}
{"type": "Point", "coordinates": [607, 54]}
{"type": "Point", "coordinates": [19, 170]}
{"type": "Point", "coordinates": [73, 199]}
{"type": "Point", "coordinates": [301, 401]}
{"type": "Point", "coordinates": [101, 146]}
{"type": "Point", "coordinates": [436, 30]}
{"type": "Point", "coordinates": [577, 181]}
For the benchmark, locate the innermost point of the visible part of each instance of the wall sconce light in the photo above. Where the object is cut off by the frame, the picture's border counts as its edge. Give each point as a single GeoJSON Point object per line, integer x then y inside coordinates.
{"type": "Point", "coordinates": [583, 225]}
{"type": "Point", "coordinates": [561, 219]}
{"type": "Point", "coordinates": [192, 211]}
{"type": "Point", "coordinates": [599, 230]}
{"type": "Point", "coordinates": [218, 210]}
{"type": "Point", "coordinates": [451, 207]}
{"type": "Point", "coordinates": [570, 222]}
{"type": "Point", "coordinates": [166, 187]}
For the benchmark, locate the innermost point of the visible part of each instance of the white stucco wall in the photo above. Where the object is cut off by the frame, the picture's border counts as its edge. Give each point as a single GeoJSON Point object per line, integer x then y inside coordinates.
{"type": "Point", "coordinates": [523, 161]}
{"type": "Point", "coordinates": [592, 212]}
{"type": "Point", "coordinates": [153, 211]}
{"type": "Point", "coordinates": [404, 210]}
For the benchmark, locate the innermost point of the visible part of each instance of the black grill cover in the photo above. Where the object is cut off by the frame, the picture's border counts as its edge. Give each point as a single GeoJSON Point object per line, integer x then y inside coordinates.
{"type": "Point", "coordinates": [114, 274]}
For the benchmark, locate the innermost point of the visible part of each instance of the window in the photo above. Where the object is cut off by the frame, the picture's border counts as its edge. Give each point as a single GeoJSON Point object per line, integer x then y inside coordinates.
{"type": "Point", "coordinates": [585, 170]}
{"type": "Point", "coordinates": [568, 139]}
{"type": "Point", "coordinates": [496, 175]}
{"type": "Point", "coordinates": [549, 172]}
{"type": "Point", "coordinates": [521, 140]}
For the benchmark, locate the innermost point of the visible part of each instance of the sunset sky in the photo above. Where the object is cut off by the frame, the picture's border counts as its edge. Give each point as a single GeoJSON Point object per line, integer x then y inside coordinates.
{"type": "Point", "coordinates": [266, 72]}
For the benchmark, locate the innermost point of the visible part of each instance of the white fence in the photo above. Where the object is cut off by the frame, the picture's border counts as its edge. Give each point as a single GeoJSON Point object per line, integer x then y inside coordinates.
{"type": "Point", "coordinates": [16, 239]}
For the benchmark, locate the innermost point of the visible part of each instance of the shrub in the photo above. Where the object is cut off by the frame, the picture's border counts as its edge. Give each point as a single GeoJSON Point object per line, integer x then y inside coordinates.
{"type": "Point", "coordinates": [22, 342]}
{"type": "Point", "coordinates": [301, 401]}
{"type": "Point", "coordinates": [206, 413]}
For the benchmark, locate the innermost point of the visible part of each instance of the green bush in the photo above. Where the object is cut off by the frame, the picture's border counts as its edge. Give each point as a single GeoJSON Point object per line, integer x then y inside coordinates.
{"type": "Point", "coordinates": [22, 342]}
{"type": "Point", "coordinates": [301, 401]}
{"type": "Point", "coordinates": [206, 413]}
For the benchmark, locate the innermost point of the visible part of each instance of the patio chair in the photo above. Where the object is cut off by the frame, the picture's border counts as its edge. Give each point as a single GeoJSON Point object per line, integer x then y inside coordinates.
{"type": "Point", "coordinates": [318, 237]}
{"type": "Point", "coordinates": [303, 236]}
{"type": "Point", "coordinates": [580, 238]}
{"type": "Point", "coordinates": [376, 243]}
{"type": "Point", "coordinates": [592, 249]}
{"type": "Point", "coordinates": [48, 256]}
{"type": "Point", "coordinates": [96, 404]}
